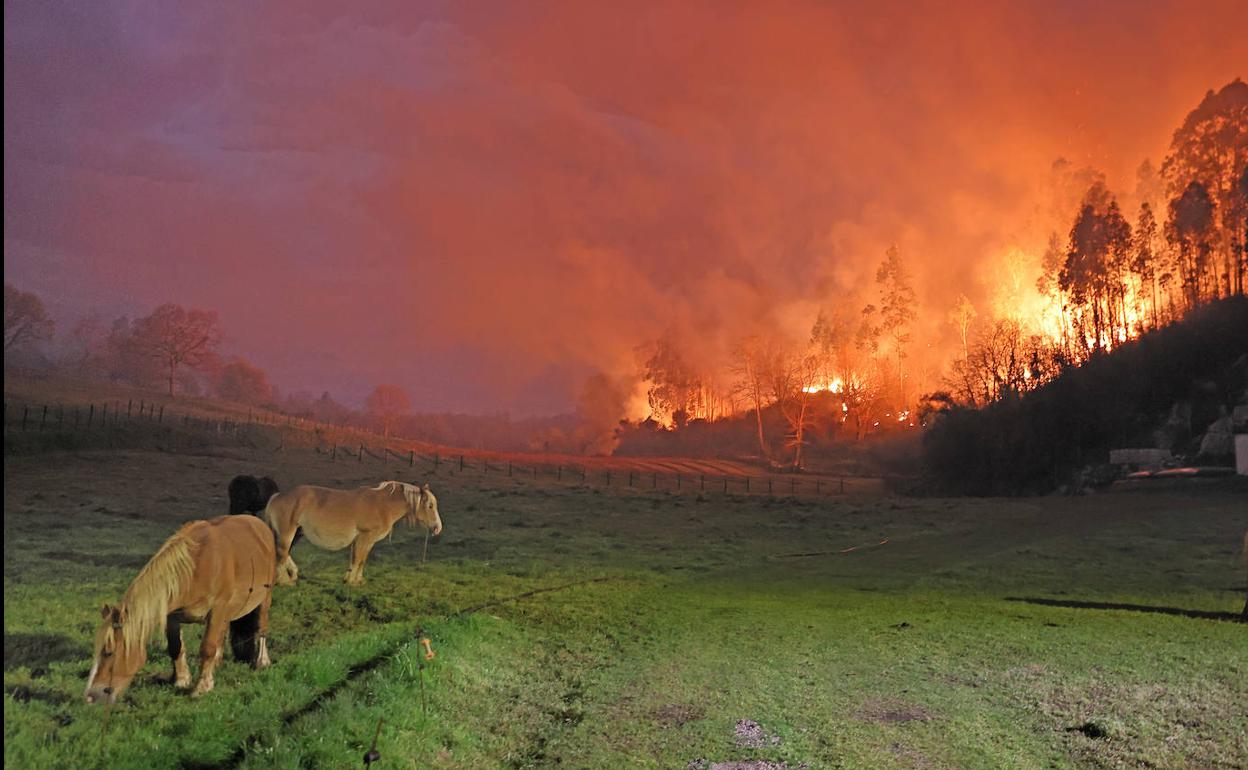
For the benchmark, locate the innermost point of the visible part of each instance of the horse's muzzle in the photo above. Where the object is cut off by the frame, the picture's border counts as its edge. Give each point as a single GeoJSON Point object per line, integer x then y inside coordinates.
{"type": "Point", "coordinates": [101, 695]}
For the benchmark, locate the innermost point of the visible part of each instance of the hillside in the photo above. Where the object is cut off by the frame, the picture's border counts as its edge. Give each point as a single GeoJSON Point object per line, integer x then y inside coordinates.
{"type": "Point", "coordinates": [1165, 388]}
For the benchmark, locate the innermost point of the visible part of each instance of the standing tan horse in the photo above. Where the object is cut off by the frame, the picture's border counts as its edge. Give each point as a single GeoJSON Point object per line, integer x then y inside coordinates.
{"type": "Point", "coordinates": [336, 518]}
{"type": "Point", "coordinates": [210, 572]}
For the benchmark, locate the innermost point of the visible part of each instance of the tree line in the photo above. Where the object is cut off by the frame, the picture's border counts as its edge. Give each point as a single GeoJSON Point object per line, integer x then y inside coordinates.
{"type": "Point", "coordinates": [176, 350]}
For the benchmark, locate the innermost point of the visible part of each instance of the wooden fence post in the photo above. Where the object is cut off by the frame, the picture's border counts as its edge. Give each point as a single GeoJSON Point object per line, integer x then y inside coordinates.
{"type": "Point", "coordinates": [535, 471]}
{"type": "Point", "coordinates": [630, 478]}
{"type": "Point", "coordinates": [43, 420]}
{"type": "Point", "coordinates": [560, 476]}
{"type": "Point", "coordinates": [608, 477]}
{"type": "Point", "coordinates": [437, 462]}
{"type": "Point", "coordinates": [509, 467]}
{"type": "Point", "coordinates": [333, 457]}
{"type": "Point", "coordinates": [161, 418]}
{"type": "Point", "coordinates": [769, 486]}
{"type": "Point", "coordinates": [461, 463]}
{"type": "Point", "coordinates": [725, 485]}
{"type": "Point", "coordinates": [655, 482]}
{"type": "Point", "coordinates": [677, 482]}
{"type": "Point", "coordinates": [129, 406]}
{"type": "Point", "coordinates": [90, 415]}
{"type": "Point", "coordinates": [361, 455]}
{"type": "Point", "coordinates": [747, 485]}
{"type": "Point", "coordinates": [411, 458]}
{"type": "Point", "coordinates": [25, 413]}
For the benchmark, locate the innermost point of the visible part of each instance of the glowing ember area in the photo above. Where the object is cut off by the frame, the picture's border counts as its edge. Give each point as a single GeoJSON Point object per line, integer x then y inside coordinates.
{"type": "Point", "coordinates": [835, 386]}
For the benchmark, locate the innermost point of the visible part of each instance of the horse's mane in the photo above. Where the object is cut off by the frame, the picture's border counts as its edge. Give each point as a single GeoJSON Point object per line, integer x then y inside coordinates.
{"type": "Point", "coordinates": [158, 584]}
{"type": "Point", "coordinates": [411, 492]}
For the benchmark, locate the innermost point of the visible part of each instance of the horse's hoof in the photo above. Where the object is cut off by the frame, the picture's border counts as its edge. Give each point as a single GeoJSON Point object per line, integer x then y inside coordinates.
{"type": "Point", "coordinates": [201, 691]}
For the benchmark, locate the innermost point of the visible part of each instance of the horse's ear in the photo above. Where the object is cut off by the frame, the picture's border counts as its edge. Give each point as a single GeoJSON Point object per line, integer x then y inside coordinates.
{"type": "Point", "coordinates": [424, 487]}
{"type": "Point", "coordinates": [106, 612]}
{"type": "Point", "coordinates": [119, 614]}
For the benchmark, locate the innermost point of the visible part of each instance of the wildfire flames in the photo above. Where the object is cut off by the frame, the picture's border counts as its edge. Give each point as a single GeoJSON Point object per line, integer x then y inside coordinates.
{"type": "Point", "coordinates": [833, 386]}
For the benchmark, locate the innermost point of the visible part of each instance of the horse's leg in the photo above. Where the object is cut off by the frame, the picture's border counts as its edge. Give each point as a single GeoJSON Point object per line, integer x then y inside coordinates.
{"type": "Point", "coordinates": [177, 652]}
{"type": "Point", "coordinates": [262, 634]}
{"type": "Point", "coordinates": [287, 570]}
{"type": "Point", "coordinates": [350, 576]}
{"type": "Point", "coordinates": [210, 651]}
{"type": "Point", "coordinates": [363, 545]}
{"type": "Point", "coordinates": [243, 635]}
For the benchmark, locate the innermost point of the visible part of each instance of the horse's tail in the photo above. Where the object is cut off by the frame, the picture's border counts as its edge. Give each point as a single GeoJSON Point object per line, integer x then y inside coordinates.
{"type": "Point", "coordinates": [268, 515]}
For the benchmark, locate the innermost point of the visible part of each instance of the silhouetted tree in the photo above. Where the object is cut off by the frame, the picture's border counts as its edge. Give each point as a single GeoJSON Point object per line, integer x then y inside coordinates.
{"type": "Point", "coordinates": [1144, 257]}
{"type": "Point", "coordinates": [1190, 230]}
{"type": "Point", "coordinates": [897, 301]}
{"type": "Point", "coordinates": [1210, 148]}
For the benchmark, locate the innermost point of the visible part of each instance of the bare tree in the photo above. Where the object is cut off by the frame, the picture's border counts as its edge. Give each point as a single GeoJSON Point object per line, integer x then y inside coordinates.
{"type": "Point", "coordinates": [176, 337]}
{"type": "Point", "coordinates": [750, 368]}
{"type": "Point", "coordinates": [25, 320]}
{"type": "Point", "coordinates": [803, 374]}
{"type": "Point", "coordinates": [386, 405]}
{"type": "Point", "coordinates": [961, 315]}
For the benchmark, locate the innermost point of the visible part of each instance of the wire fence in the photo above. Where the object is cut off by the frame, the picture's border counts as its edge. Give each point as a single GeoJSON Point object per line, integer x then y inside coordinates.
{"type": "Point", "coordinates": [340, 444]}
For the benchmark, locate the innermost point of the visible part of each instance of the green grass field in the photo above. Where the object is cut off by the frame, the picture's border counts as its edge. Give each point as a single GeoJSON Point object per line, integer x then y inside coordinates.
{"type": "Point", "coordinates": [978, 636]}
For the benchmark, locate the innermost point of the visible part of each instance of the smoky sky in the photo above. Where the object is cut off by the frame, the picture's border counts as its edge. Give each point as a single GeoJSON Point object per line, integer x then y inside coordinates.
{"type": "Point", "coordinates": [486, 203]}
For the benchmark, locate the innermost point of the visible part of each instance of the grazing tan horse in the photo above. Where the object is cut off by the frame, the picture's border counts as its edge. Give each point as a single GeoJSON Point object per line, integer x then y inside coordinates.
{"type": "Point", "coordinates": [212, 572]}
{"type": "Point", "coordinates": [335, 518]}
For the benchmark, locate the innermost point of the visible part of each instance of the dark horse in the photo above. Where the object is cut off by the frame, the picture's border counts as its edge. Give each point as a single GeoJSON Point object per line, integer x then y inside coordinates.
{"type": "Point", "coordinates": [248, 494]}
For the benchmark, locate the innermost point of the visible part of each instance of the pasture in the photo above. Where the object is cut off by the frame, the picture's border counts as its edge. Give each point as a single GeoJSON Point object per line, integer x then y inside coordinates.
{"type": "Point", "coordinates": [682, 630]}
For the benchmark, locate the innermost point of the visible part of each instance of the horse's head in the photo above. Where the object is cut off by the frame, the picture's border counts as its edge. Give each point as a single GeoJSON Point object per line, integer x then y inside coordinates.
{"type": "Point", "coordinates": [116, 660]}
{"type": "Point", "coordinates": [423, 509]}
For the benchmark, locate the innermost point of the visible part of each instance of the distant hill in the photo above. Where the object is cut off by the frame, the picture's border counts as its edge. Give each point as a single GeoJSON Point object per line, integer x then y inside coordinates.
{"type": "Point", "coordinates": [1038, 442]}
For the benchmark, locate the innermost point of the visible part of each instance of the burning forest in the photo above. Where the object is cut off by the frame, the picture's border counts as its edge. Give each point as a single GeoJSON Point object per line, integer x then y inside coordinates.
{"type": "Point", "coordinates": [858, 367]}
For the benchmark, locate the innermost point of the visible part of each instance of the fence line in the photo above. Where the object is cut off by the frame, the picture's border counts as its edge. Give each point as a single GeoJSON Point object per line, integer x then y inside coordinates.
{"type": "Point", "coordinates": [45, 417]}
